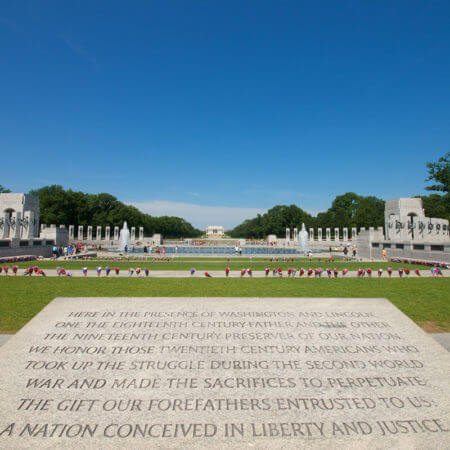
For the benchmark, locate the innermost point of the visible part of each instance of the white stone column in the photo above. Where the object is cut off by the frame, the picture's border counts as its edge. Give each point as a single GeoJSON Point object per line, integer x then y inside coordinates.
{"type": "Point", "coordinates": [107, 233]}
{"type": "Point", "coordinates": [16, 225]}
{"type": "Point", "coordinates": [116, 233]}
{"type": "Point", "coordinates": [288, 235]}
{"type": "Point", "coordinates": [4, 226]}
{"type": "Point", "coordinates": [319, 234]}
{"type": "Point", "coordinates": [80, 232]}
{"type": "Point", "coordinates": [43, 226]}
{"type": "Point", "coordinates": [362, 229]}
{"type": "Point", "coordinates": [98, 235]}
{"type": "Point", "coordinates": [89, 233]}
{"type": "Point", "coordinates": [141, 233]}
{"type": "Point", "coordinates": [380, 229]}
{"type": "Point", "coordinates": [35, 223]}
{"type": "Point", "coordinates": [371, 229]}
{"type": "Point", "coordinates": [354, 233]}
{"type": "Point", "coordinates": [23, 226]}
{"type": "Point", "coordinates": [345, 235]}
{"type": "Point", "coordinates": [311, 234]}
{"type": "Point", "coordinates": [328, 234]}
{"type": "Point", "coordinates": [28, 231]}
{"type": "Point", "coordinates": [71, 233]}
{"type": "Point", "coordinates": [133, 234]}
{"type": "Point", "coordinates": [336, 235]}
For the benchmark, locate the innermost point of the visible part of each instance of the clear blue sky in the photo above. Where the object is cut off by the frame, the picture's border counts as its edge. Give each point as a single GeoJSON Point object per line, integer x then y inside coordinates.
{"type": "Point", "coordinates": [214, 110]}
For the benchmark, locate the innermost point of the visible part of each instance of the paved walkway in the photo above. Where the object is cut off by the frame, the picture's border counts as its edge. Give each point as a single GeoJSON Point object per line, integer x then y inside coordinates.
{"type": "Point", "coordinates": [219, 274]}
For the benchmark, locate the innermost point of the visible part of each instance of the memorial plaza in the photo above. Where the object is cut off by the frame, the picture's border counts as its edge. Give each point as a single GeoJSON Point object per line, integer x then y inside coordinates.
{"type": "Point", "coordinates": [225, 225]}
{"type": "Point", "coordinates": [310, 339]}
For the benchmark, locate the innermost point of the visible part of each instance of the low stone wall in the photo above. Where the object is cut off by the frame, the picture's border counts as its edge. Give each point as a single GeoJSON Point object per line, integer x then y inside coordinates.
{"type": "Point", "coordinates": [36, 250]}
{"type": "Point", "coordinates": [415, 250]}
{"type": "Point", "coordinates": [422, 251]}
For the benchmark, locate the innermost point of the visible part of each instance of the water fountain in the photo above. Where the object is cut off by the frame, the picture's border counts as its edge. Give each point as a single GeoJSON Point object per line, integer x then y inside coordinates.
{"type": "Point", "coordinates": [303, 240]}
{"type": "Point", "coordinates": [124, 237]}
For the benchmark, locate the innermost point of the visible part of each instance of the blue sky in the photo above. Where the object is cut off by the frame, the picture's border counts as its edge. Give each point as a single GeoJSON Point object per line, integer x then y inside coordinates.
{"type": "Point", "coordinates": [217, 110]}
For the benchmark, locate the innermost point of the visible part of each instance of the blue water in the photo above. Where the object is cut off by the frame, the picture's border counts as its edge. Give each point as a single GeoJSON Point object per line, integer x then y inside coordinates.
{"type": "Point", "coordinates": [223, 250]}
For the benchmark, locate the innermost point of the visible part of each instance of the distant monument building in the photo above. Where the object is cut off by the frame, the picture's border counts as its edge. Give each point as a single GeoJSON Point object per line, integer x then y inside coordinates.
{"type": "Point", "coordinates": [215, 231]}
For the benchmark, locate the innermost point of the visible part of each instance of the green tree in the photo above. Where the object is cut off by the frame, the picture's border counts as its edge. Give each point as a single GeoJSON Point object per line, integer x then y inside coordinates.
{"type": "Point", "coordinates": [440, 173]}
{"type": "Point", "coordinates": [343, 210]}
{"type": "Point", "coordinates": [436, 205]}
{"type": "Point", "coordinates": [370, 212]}
{"type": "Point", "coordinates": [275, 221]}
{"type": "Point", "coordinates": [4, 190]}
{"type": "Point", "coordinates": [59, 206]}
{"type": "Point", "coordinates": [353, 210]}
{"type": "Point", "coordinates": [347, 210]}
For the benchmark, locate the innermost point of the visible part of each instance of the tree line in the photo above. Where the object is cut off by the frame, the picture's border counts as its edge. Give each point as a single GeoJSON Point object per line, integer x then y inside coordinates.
{"type": "Point", "coordinates": [349, 210]}
{"type": "Point", "coordinates": [60, 206]}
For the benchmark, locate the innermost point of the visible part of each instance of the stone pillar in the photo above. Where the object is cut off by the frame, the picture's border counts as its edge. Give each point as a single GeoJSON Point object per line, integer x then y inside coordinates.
{"type": "Point", "coordinates": [133, 234]}
{"type": "Point", "coordinates": [362, 229]}
{"type": "Point", "coordinates": [4, 226]}
{"type": "Point", "coordinates": [295, 234]}
{"type": "Point", "coordinates": [80, 232]}
{"type": "Point", "coordinates": [20, 223]}
{"type": "Point", "coordinates": [336, 235]}
{"type": "Point", "coordinates": [288, 234]}
{"type": "Point", "coordinates": [380, 230]}
{"type": "Point", "coordinates": [311, 234]}
{"type": "Point", "coordinates": [345, 235]}
{"type": "Point", "coordinates": [328, 234]}
{"type": "Point", "coordinates": [98, 235]}
{"type": "Point", "coordinates": [116, 233]}
{"type": "Point", "coordinates": [43, 226]}
{"type": "Point", "coordinates": [16, 225]}
{"type": "Point", "coordinates": [28, 231]}
{"type": "Point", "coordinates": [35, 223]}
{"type": "Point", "coordinates": [71, 233]}
{"type": "Point", "coordinates": [354, 233]}
{"type": "Point", "coordinates": [319, 234]}
{"type": "Point", "coordinates": [371, 229]}
{"type": "Point", "coordinates": [141, 233]}
{"type": "Point", "coordinates": [89, 233]}
{"type": "Point", "coordinates": [53, 226]}
{"type": "Point", "coordinates": [107, 233]}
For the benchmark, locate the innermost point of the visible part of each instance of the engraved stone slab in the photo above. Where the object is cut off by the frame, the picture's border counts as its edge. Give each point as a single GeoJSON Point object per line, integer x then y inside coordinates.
{"type": "Point", "coordinates": [223, 373]}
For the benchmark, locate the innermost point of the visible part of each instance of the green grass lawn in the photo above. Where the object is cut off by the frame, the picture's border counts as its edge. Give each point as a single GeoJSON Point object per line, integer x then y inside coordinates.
{"type": "Point", "coordinates": [218, 264]}
{"type": "Point", "coordinates": [424, 300]}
